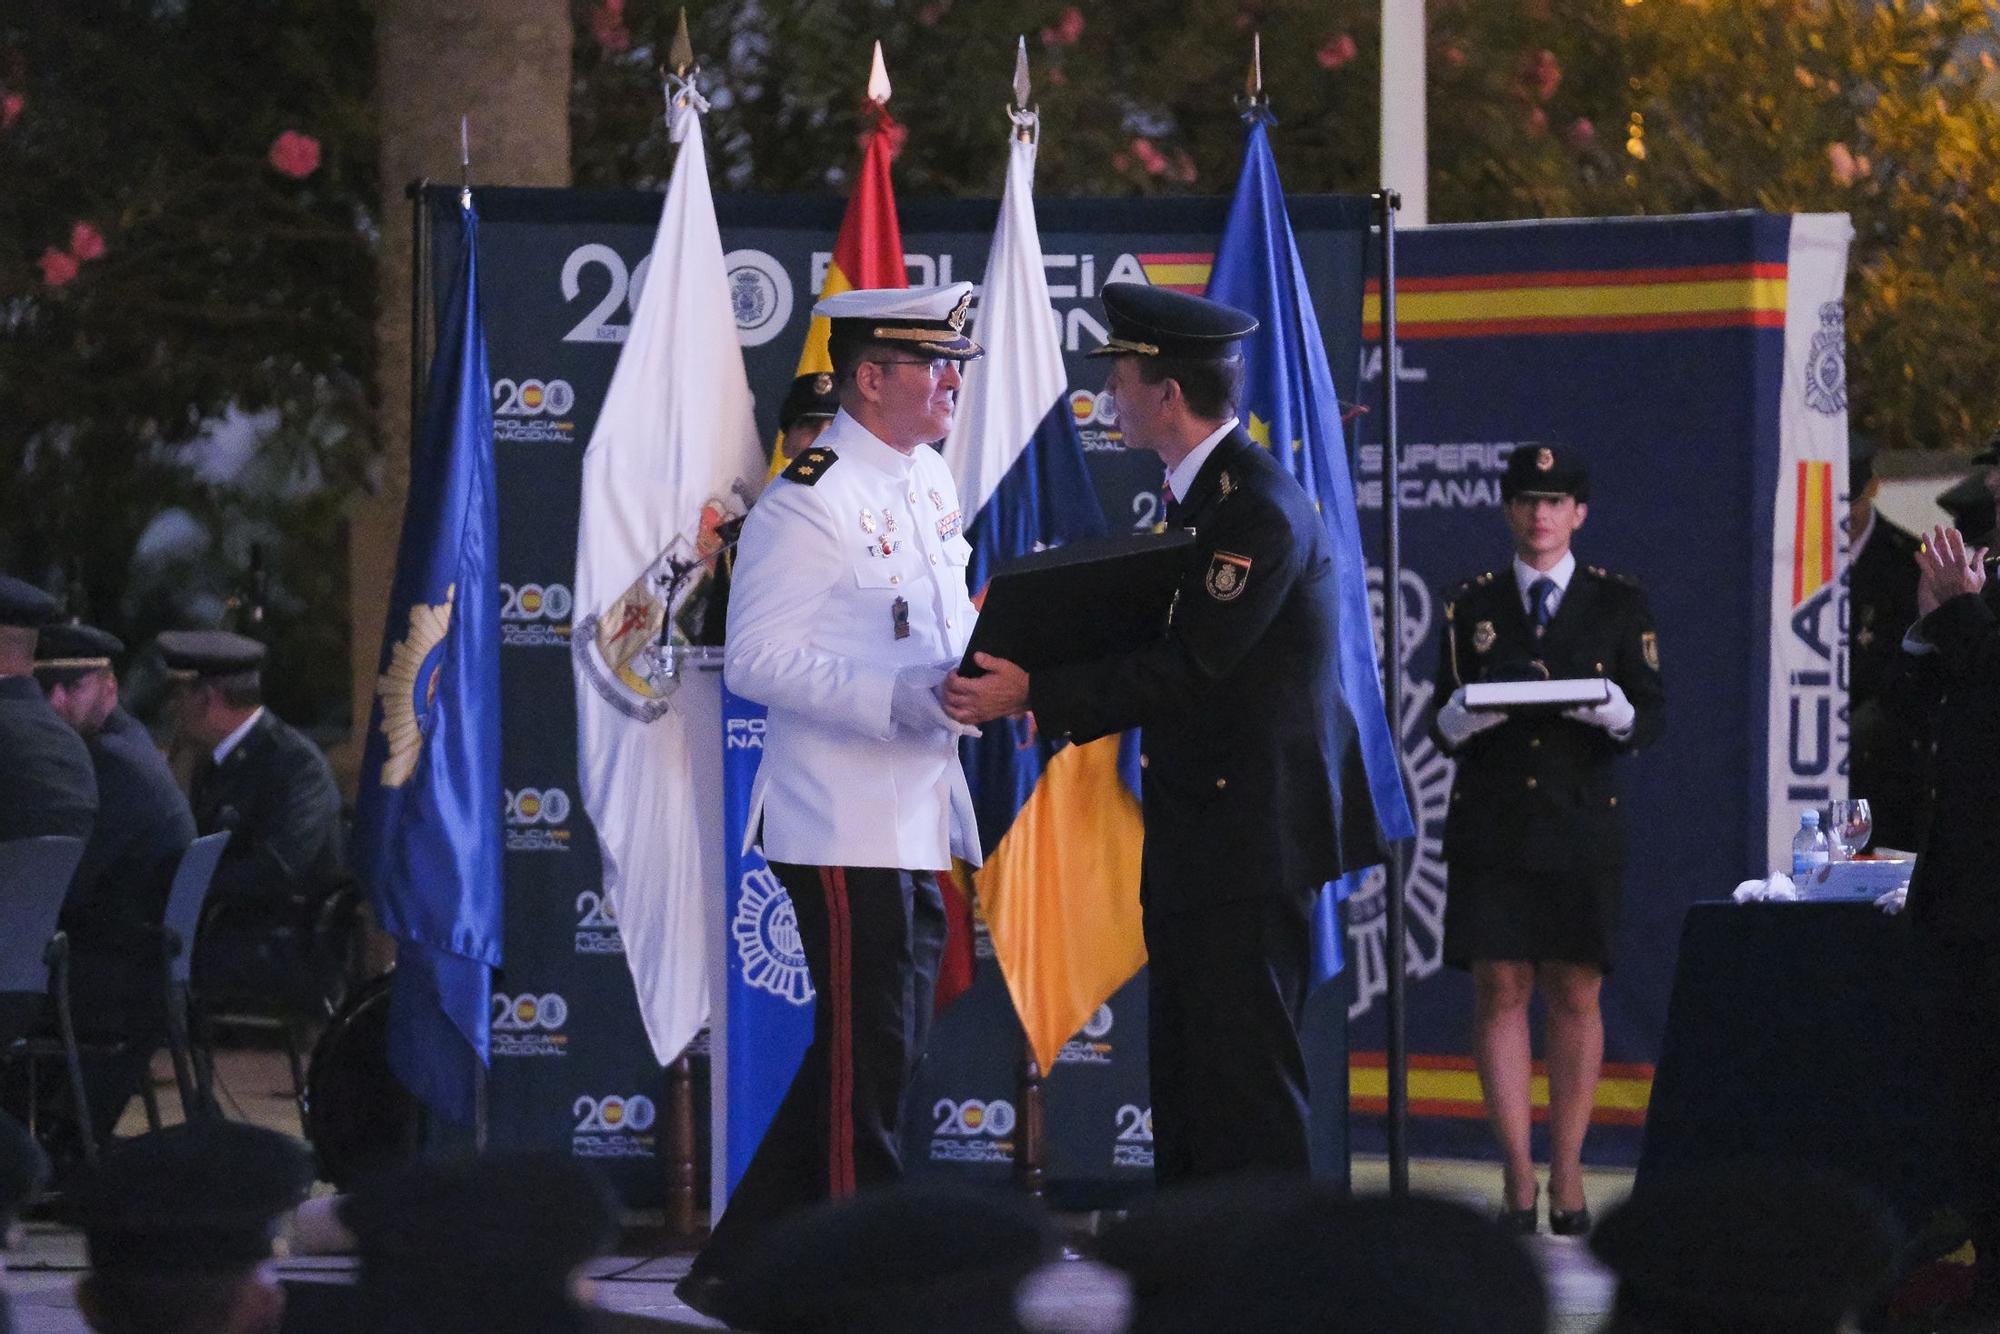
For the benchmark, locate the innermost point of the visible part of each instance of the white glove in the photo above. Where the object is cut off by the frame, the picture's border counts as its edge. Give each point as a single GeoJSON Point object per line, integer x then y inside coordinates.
{"type": "Point", "coordinates": [1459, 724]}
{"type": "Point", "coordinates": [915, 706]}
{"type": "Point", "coordinates": [1614, 715]}
{"type": "Point", "coordinates": [1892, 901]}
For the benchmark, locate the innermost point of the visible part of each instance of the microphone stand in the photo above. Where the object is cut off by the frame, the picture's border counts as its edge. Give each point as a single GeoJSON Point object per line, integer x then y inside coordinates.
{"type": "Point", "coordinates": [672, 580]}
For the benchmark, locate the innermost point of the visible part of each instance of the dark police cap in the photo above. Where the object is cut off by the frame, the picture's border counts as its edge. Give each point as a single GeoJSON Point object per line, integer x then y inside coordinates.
{"type": "Point", "coordinates": [77, 647]}
{"type": "Point", "coordinates": [204, 1196]}
{"type": "Point", "coordinates": [1770, 1247]}
{"type": "Point", "coordinates": [23, 605]}
{"type": "Point", "coordinates": [1545, 470]}
{"type": "Point", "coordinates": [1149, 321]}
{"type": "Point", "coordinates": [911, 1257]}
{"type": "Point", "coordinates": [1281, 1253]}
{"type": "Point", "coordinates": [811, 397]}
{"type": "Point", "coordinates": [189, 653]}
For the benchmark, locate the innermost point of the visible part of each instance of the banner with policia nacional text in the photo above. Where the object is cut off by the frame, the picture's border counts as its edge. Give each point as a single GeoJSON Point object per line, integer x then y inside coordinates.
{"type": "Point", "coordinates": [1698, 364]}
{"type": "Point", "coordinates": [561, 273]}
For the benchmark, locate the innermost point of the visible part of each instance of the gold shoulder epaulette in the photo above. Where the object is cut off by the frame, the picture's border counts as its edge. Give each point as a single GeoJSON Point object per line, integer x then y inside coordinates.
{"type": "Point", "coordinates": [810, 466]}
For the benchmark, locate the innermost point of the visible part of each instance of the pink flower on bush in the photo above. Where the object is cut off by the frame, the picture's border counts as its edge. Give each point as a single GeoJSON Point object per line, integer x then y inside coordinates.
{"type": "Point", "coordinates": [1543, 74]}
{"type": "Point", "coordinates": [11, 107]}
{"type": "Point", "coordinates": [58, 266]}
{"type": "Point", "coordinates": [1846, 165]}
{"type": "Point", "coordinates": [295, 155]}
{"type": "Point", "coordinates": [1581, 133]}
{"type": "Point", "coordinates": [1149, 157]}
{"type": "Point", "coordinates": [1538, 122]}
{"type": "Point", "coordinates": [1183, 169]}
{"type": "Point", "coordinates": [86, 242]}
{"type": "Point", "coordinates": [607, 25]}
{"type": "Point", "coordinates": [1337, 51]}
{"type": "Point", "coordinates": [1066, 31]}
{"type": "Point", "coordinates": [1454, 56]}
{"type": "Point", "coordinates": [1121, 162]}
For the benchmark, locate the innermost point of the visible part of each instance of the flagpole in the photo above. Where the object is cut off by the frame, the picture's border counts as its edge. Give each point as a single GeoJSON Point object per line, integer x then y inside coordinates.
{"type": "Point", "coordinates": [1386, 203]}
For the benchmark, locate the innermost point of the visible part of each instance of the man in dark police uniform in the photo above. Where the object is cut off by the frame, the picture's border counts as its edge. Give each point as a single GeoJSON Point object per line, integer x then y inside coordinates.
{"type": "Point", "coordinates": [1253, 794]}
{"type": "Point", "coordinates": [120, 891]}
{"type": "Point", "coordinates": [1535, 839]}
{"type": "Point", "coordinates": [46, 784]}
{"type": "Point", "coordinates": [274, 791]}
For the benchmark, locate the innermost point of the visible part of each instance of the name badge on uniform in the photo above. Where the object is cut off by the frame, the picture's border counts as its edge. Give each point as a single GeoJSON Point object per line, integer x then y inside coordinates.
{"type": "Point", "coordinates": [899, 617]}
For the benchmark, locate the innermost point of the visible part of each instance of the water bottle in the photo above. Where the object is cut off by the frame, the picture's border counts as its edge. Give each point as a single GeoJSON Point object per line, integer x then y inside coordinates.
{"type": "Point", "coordinates": [1809, 847]}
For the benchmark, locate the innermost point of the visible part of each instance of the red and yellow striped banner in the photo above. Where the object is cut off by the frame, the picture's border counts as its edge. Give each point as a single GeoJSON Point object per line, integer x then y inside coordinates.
{"type": "Point", "coordinates": [1449, 1086]}
{"type": "Point", "coordinates": [1812, 537]}
{"type": "Point", "coordinates": [1179, 272]}
{"type": "Point", "coordinates": [1700, 296]}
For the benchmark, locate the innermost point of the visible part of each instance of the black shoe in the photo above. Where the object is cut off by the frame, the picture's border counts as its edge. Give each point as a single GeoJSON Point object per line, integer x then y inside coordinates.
{"type": "Point", "coordinates": [1570, 1222]}
{"type": "Point", "coordinates": [704, 1294]}
{"type": "Point", "coordinates": [1521, 1222]}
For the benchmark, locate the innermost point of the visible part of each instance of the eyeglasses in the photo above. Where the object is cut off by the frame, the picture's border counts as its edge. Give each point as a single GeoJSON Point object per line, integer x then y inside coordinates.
{"type": "Point", "coordinates": [937, 366]}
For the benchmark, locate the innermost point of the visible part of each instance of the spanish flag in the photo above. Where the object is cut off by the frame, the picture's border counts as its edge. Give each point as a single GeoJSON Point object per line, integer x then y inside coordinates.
{"type": "Point", "coordinates": [869, 252]}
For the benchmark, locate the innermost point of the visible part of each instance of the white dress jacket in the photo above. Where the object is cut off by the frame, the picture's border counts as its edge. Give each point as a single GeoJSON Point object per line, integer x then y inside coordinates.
{"type": "Point", "coordinates": [837, 555]}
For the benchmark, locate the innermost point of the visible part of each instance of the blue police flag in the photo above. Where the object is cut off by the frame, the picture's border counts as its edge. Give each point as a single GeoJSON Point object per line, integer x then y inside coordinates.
{"type": "Point", "coordinates": [428, 818]}
{"type": "Point", "coordinates": [1289, 408]}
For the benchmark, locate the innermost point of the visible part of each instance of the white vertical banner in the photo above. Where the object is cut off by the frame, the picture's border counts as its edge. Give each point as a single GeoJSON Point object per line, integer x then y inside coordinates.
{"type": "Point", "coordinates": [674, 459]}
{"type": "Point", "coordinates": [1807, 762]}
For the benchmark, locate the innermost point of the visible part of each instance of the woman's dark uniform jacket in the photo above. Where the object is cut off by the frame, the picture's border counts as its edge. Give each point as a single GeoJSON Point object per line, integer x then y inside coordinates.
{"type": "Point", "coordinates": [1540, 792]}
{"type": "Point", "coordinates": [1253, 783]}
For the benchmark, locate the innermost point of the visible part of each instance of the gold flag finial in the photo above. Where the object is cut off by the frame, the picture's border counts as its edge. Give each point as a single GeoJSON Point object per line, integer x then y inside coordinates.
{"type": "Point", "coordinates": [681, 54]}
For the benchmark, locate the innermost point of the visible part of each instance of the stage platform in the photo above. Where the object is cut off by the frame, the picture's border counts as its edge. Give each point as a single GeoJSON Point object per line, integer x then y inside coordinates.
{"type": "Point", "coordinates": [43, 1268]}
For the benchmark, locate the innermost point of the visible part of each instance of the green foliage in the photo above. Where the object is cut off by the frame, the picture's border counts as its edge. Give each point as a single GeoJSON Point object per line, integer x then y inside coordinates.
{"type": "Point", "coordinates": [223, 285]}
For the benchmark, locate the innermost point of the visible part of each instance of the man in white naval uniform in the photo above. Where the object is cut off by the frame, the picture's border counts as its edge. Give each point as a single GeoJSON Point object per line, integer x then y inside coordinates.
{"type": "Point", "coordinates": [847, 609]}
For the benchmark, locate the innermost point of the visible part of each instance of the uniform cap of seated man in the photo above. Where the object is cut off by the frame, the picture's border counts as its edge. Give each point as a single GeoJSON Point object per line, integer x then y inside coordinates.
{"type": "Point", "coordinates": [66, 652]}
{"type": "Point", "coordinates": [24, 606]}
{"type": "Point", "coordinates": [482, 1246]}
{"type": "Point", "coordinates": [928, 322]}
{"type": "Point", "coordinates": [1258, 1251]}
{"type": "Point", "coordinates": [1769, 1247]}
{"type": "Point", "coordinates": [177, 1224]}
{"type": "Point", "coordinates": [1549, 471]}
{"type": "Point", "coordinates": [209, 653]}
{"type": "Point", "coordinates": [1149, 321]}
{"type": "Point", "coordinates": [912, 1258]}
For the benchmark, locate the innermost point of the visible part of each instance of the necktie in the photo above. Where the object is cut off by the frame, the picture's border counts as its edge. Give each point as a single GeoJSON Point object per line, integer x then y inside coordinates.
{"type": "Point", "coordinates": [1541, 598]}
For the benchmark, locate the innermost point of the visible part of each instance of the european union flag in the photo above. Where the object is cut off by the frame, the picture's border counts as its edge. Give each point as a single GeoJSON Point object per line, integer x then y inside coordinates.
{"type": "Point", "coordinates": [428, 820]}
{"type": "Point", "coordinates": [1290, 409]}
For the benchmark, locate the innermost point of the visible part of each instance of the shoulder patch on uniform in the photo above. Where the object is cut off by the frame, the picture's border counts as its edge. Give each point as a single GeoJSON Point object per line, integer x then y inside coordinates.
{"type": "Point", "coordinates": [810, 466]}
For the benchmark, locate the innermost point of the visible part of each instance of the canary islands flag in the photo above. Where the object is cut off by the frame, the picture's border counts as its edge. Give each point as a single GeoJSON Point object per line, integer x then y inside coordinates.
{"type": "Point", "coordinates": [1289, 408]}
{"type": "Point", "coordinates": [1059, 826]}
{"type": "Point", "coordinates": [427, 822]}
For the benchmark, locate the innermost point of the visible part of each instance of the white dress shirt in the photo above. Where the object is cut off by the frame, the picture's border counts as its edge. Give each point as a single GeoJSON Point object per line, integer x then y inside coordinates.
{"type": "Point", "coordinates": [234, 739]}
{"type": "Point", "coordinates": [1180, 480]}
{"type": "Point", "coordinates": [813, 620]}
{"type": "Point", "coordinates": [1526, 574]}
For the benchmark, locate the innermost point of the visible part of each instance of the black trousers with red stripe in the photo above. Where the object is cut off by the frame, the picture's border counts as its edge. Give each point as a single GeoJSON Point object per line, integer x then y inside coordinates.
{"type": "Point", "coordinates": [872, 938]}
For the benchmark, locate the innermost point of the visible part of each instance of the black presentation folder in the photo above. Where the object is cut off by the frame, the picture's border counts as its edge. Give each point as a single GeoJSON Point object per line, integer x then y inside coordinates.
{"type": "Point", "coordinates": [1082, 601]}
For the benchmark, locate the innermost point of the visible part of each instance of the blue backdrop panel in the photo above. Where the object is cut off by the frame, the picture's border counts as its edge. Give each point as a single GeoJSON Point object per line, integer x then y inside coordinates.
{"type": "Point", "coordinates": [1680, 426]}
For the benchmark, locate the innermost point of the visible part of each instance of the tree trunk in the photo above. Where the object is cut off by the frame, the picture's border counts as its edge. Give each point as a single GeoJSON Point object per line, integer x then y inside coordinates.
{"type": "Point", "coordinates": [505, 64]}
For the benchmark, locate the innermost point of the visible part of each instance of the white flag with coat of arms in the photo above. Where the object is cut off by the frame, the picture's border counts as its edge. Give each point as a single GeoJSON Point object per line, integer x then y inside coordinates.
{"type": "Point", "coordinates": [675, 457]}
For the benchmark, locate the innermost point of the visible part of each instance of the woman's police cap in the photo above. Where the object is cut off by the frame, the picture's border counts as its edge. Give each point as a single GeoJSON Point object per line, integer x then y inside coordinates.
{"type": "Point", "coordinates": [810, 398]}
{"type": "Point", "coordinates": [1550, 471]}
{"type": "Point", "coordinates": [1151, 321]}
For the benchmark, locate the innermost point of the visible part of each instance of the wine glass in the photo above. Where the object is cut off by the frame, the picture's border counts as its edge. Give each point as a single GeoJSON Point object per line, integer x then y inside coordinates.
{"type": "Point", "coordinates": [1849, 823]}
